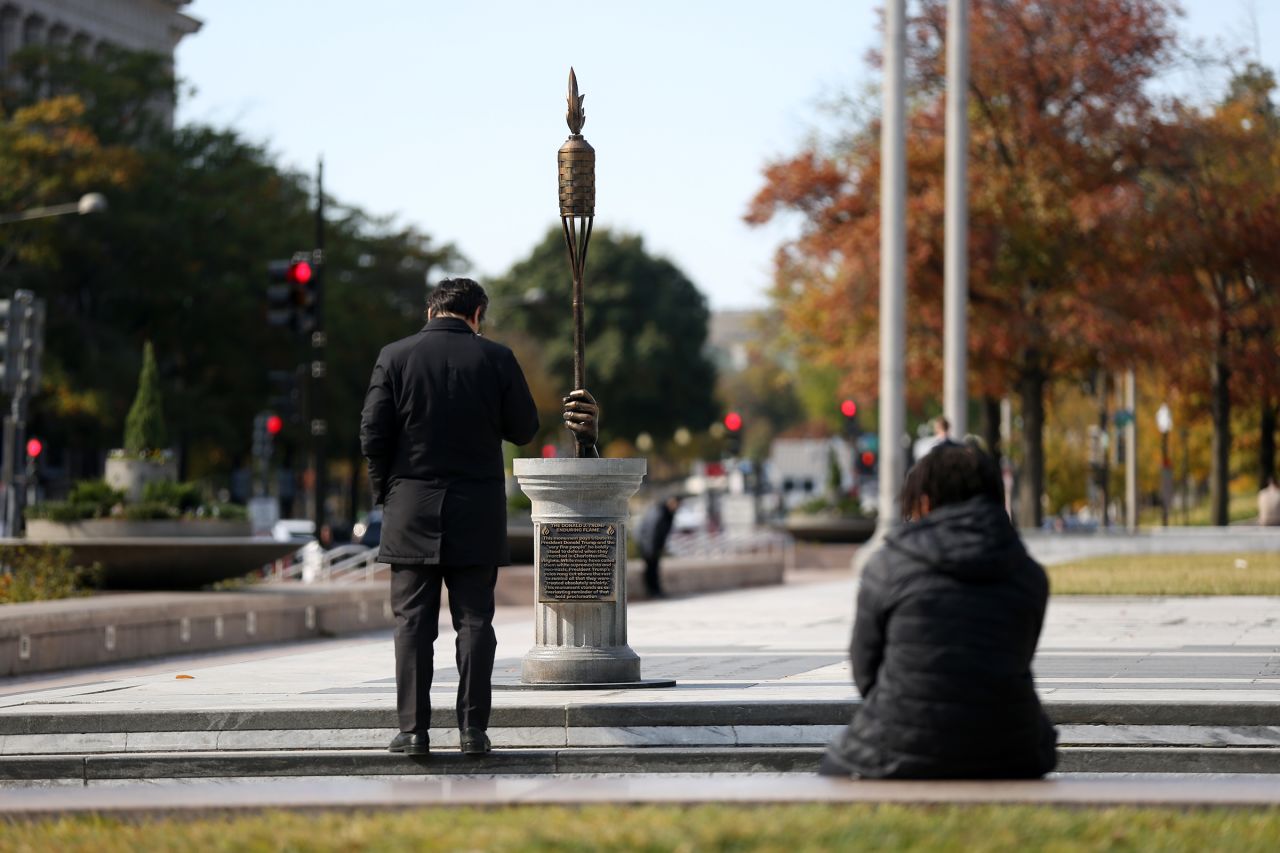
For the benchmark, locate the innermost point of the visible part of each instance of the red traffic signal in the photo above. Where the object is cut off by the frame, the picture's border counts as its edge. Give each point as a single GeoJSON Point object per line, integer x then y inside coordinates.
{"type": "Point", "coordinates": [733, 422]}
{"type": "Point", "coordinates": [868, 459]}
{"type": "Point", "coordinates": [274, 424]}
{"type": "Point", "coordinates": [35, 447]}
{"type": "Point", "coordinates": [848, 408]}
{"type": "Point", "coordinates": [299, 272]}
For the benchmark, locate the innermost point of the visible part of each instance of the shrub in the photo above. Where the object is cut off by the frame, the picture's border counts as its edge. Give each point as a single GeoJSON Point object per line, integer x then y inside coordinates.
{"type": "Point", "coordinates": [144, 428]}
{"type": "Point", "coordinates": [845, 506]}
{"type": "Point", "coordinates": [95, 493]}
{"type": "Point", "coordinates": [88, 499]}
{"type": "Point", "coordinates": [150, 511]}
{"type": "Point", "coordinates": [41, 573]}
{"type": "Point", "coordinates": [226, 512]}
{"type": "Point", "coordinates": [64, 511]}
{"type": "Point", "coordinates": [184, 497]}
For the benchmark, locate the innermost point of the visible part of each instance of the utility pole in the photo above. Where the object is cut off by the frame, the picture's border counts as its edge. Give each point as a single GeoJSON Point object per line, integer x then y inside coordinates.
{"type": "Point", "coordinates": [955, 403]}
{"type": "Point", "coordinates": [893, 262]}
{"type": "Point", "coordinates": [1131, 452]}
{"type": "Point", "coordinates": [319, 369]}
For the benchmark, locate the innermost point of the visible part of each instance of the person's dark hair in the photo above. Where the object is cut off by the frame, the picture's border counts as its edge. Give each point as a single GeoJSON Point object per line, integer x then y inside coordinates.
{"type": "Point", "coordinates": [460, 296]}
{"type": "Point", "coordinates": [948, 474]}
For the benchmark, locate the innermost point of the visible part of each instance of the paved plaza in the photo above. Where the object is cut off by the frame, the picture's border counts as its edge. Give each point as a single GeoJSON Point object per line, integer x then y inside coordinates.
{"type": "Point", "coordinates": [744, 646]}
{"type": "Point", "coordinates": [763, 681]}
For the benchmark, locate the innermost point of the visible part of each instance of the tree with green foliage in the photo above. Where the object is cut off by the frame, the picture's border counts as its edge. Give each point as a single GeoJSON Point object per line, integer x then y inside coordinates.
{"type": "Point", "coordinates": [646, 326]}
{"type": "Point", "coordinates": [144, 430]}
{"type": "Point", "coordinates": [180, 260]}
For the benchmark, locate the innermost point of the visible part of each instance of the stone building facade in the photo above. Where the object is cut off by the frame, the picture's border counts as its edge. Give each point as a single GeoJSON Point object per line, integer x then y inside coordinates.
{"type": "Point", "coordinates": [89, 26]}
{"type": "Point", "coordinates": [152, 25]}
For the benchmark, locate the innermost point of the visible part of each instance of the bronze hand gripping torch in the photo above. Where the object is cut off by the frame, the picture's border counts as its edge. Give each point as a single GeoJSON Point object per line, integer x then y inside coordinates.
{"type": "Point", "coordinates": [577, 160]}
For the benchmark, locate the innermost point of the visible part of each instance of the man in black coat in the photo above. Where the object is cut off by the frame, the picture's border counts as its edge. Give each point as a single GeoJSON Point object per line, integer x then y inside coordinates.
{"type": "Point", "coordinates": [439, 405]}
{"type": "Point", "coordinates": [949, 613]}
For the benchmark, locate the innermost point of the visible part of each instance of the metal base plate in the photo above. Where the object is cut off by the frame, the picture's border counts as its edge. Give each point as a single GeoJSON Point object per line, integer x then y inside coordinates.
{"type": "Point", "coordinates": [644, 683]}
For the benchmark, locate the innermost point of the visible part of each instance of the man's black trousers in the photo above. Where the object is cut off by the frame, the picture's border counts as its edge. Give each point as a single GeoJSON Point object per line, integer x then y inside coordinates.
{"type": "Point", "coordinates": [415, 599]}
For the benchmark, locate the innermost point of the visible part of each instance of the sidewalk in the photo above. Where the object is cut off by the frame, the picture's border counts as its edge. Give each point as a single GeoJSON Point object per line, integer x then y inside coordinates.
{"type": "Point", "coordinates": [761, 650]}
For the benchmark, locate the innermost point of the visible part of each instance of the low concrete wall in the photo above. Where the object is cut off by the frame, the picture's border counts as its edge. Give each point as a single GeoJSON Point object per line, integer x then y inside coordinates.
{"type": "Point", "coordinates": [118, 528]}
{"type": "Point", "coordinates": [52, 635]}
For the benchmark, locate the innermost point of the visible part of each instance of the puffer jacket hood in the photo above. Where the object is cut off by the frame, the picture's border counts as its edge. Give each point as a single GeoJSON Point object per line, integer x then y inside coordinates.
{"type": "Point", "coordinates": [973, 541]}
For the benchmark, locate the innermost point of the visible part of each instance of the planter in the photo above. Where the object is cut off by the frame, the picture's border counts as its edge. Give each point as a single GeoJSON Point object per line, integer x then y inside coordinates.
{"type": "Point", "coordinates": [830, 528]}
{"type": "Point", "coordinates": [44, 530]}
{"type": "Point", "coordinates": [130, 475]}
{"type": "Point", "coordinates": [161, 562]}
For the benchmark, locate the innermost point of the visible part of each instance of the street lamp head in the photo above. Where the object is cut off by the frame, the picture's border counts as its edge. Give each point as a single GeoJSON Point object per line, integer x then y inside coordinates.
{"type": "Point", "coordinates": [1164, 419]}
{"type": "Point", "coordinates": [92, 203]}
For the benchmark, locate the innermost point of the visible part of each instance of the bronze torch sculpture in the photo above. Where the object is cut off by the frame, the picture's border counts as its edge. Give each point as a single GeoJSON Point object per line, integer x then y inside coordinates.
{"type": "Point", "coordinates": [577, 160]}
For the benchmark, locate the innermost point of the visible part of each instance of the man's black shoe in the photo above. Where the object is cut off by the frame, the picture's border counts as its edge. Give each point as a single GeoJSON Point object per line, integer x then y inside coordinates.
{"type": "Point", "coordinates": [410, 744]}
{"type": "Point", "coordinates": [475, 742]}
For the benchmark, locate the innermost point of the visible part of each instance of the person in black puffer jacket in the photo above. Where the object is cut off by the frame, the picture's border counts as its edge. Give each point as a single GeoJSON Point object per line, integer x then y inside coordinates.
{"type": "Point", "coordinates": [949, 613]}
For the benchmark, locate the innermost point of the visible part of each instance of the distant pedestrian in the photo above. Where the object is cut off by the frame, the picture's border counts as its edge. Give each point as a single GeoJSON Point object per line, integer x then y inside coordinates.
{"type": "Point", "coordinates": [655, 528]}
{"type": "Point", "coordinates": [1269, 504]}
{"type": "Point", "coordinates": [949, 614]}
{"type": "Point", "coordinates": [439, 405]}
{"type": "Point", "coordinates": [941, 435]}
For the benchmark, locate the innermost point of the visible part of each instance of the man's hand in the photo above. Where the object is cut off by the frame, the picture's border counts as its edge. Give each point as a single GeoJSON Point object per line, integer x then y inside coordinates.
{"type": "Point", "coordinates": [581, 416]}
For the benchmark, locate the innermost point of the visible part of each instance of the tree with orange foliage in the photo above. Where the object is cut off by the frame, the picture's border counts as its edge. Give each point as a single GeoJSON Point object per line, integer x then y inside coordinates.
{"type": "Point", "coordinates": [1212, 230]}
{"type": "Point", "coordinates": [1058, 118]}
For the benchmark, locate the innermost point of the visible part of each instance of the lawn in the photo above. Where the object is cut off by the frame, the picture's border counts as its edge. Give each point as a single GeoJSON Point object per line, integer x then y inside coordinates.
{"type": "Point", "coordinates": [1170, 574]}
{"type": "Point", "coordinates": [1239, 508]}
{"type": "Point", "coordinates": [694, 828]}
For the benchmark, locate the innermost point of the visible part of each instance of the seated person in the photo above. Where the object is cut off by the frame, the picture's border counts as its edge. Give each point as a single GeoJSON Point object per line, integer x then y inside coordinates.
{"type": "Point", "coordinates": [949, 612]}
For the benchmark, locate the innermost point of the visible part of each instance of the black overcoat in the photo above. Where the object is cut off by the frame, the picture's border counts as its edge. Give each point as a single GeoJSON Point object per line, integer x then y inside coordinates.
{"type": "Point", "coordinates": [949, 613]}
{"type": "Point", "coordinates": [438, 407]}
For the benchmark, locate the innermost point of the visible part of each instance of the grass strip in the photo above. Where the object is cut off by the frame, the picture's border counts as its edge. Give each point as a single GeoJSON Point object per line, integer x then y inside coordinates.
{"type": "Point", "coordinates": [786, 828]}
{"type": "Point", "coordinates": [1238, 573]}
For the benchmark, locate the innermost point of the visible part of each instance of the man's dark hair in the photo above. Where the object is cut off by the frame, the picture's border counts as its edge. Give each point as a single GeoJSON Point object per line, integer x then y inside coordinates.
{"type": "Point", "coordinates": [951, 473]}
{"type": "Point", "coordinates": [460, 296]}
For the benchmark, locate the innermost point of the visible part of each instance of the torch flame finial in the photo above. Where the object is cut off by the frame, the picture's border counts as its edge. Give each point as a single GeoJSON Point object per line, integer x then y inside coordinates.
{"type": "Point", "coordinates": [576, 115]}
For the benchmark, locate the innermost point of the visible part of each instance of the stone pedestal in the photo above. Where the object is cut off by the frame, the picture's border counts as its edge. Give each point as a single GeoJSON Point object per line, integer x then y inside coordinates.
{"type": "Point", "coordinates": [580, 569]}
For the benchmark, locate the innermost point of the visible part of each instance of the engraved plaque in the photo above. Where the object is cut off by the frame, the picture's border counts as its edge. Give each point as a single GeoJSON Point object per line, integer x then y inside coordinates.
{"type": "Point", "coordinates": [576, 561]}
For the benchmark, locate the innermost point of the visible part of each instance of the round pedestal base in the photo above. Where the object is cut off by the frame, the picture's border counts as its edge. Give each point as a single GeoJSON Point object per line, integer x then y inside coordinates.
{"type": "Point", "coordinates": [580, 665]}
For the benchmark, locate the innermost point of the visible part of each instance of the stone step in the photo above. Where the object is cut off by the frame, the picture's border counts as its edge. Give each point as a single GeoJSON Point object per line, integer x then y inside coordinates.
{"type": "Point", "coordinates": [591, 724]}
{"type": "Point", "coordinates": [577, 737]}
{"type": "Point", "coordinates": [119, 768]}
{"type": "Point", "coordinates": [585, 711]}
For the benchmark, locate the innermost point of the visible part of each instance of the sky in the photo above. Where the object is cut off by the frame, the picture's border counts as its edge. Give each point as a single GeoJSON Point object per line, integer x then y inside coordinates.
{"type": "Point", "coordinates": [448, 116]}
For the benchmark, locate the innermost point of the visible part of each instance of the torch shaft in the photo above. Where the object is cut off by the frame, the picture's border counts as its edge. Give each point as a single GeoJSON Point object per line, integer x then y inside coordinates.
{"type": "Point", "coordinates": [577, 237]}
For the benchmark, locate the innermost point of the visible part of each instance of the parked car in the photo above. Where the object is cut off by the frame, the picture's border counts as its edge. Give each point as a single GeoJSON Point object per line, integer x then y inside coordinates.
{"type": "Point", "coordinates": [300, 530]}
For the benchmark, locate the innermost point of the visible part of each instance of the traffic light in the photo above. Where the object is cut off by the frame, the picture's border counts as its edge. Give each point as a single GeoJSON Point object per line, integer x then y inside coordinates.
{"type": "Point", "coordinates": [34, 448]}
{"type": "Point", "coordinates": [867, 462]}
{"type": "Point", "coordinates": [266, 426]}
{"type": "Point", "coordinates": [291, 293]}
{"type": "Point", "coordinates": [849, 411]}
{"type": "Point", "coordinates": [733, 437]}
{"type": "Point", "coordinates": [21, 342]}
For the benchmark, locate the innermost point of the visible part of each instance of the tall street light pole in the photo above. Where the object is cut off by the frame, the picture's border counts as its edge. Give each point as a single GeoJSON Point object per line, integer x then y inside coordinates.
{"type": "Point", "coordinates": [893, 262]}
{"type": "Point", "coordinates": [956, 225]}
{"type": "Point", "coordinates": [26, 325]}
{"type": "Point", "coordinates": [319, 369]}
